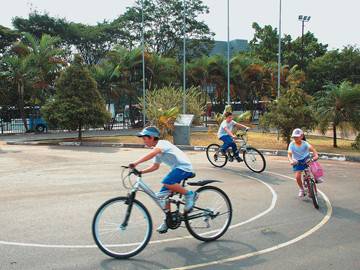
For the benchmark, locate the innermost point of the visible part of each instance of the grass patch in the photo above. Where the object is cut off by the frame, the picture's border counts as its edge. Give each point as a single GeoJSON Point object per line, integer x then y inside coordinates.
{"type": "Point", "coordinates": [256, 139]}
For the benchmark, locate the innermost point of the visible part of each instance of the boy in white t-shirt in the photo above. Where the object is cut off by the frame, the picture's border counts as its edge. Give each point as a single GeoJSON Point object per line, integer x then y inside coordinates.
{"type": "Point", "coordinates": [165, 152]}
{"type": "Point", "coordinates": [225, 134]}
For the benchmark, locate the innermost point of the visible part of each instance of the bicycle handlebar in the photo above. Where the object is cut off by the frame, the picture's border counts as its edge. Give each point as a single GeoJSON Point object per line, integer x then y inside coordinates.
{"type": "Point", "coordinates": [132, 171]}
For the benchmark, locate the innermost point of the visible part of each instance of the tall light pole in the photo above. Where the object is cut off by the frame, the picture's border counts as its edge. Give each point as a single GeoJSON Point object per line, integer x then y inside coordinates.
{"type": "Point", "coordinates": [143, 61]}
{"type": "Point", "coordinates": [303, 20]}
{"type": "Point", "coordinates": [228, 52]}
{"type": "Point", "coordinates": [279, 53]}
{"type": "Point", "coordinates": [184, 56]}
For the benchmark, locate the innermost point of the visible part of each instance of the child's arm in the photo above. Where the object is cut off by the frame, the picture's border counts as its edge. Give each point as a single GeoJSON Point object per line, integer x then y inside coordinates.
{"type": "Point", "coordinates": [152, 168]}
{"type": "Point", "coordinates": [147, 157]}
{"type": "Point", "coordinates": [241, 125]}
{"type": "Point", "coordinates": [312, 149]}
{"type": "Point", "coordinates": [228, 131]}
{"type": "Point", "coordinates": [291, 160]}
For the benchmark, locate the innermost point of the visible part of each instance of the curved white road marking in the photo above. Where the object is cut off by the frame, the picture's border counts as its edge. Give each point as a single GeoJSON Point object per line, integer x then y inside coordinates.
{"type": "Point", "coordinates": [269, 209]}
{"type": "Point", "coordinates": [273, 248]}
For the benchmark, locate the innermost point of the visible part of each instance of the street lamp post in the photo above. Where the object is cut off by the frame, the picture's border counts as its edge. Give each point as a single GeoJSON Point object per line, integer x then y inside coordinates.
{"type": "Point", "coordinates": [228, 52]}
{"type": "Point", "coordinates": [143, 61]}
{"type": "Point", "coordinates": [279, 53]}
{"type": "Point", "coordinates": [303, 20]}
{"type": "Point", "coordinates": [184, 56]}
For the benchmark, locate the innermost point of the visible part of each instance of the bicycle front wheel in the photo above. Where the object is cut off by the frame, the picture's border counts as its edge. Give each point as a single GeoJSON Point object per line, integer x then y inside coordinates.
{"type": "Point", "coordinates": [313, 194]}
{"type": "Point", "coordinates": [211, 215]}
{"type": "Point", "coordinates": [119, 240]}
{"type": "Point", "coordinates": [215, 157]}
{"type": "Point", "coordinates": [254, 160]}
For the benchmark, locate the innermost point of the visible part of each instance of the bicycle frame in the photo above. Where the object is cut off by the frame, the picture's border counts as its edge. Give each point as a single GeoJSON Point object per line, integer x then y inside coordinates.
{"type": "Point", "coordinates": [140, 185]}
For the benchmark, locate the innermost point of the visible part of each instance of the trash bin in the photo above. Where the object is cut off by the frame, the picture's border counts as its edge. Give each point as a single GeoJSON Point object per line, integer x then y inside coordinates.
{"type": "Point", "coordinates": [182, 129]}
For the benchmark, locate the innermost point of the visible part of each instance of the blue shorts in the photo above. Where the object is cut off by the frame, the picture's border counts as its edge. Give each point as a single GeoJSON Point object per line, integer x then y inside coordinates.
{"type": "Point", "coordinates": [175, 177]}
{"type": "Point", "coordinates": [301, 165]}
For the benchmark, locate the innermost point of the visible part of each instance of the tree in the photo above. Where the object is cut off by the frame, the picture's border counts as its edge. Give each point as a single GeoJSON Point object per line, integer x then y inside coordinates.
{"type": "Point", "coordinates": [292, 110]}
{"type": "Point", "coordinates": [91, 41]}
{"type": "Point", "coordinates": [264, 44]}
{"type": "Point", "coordinates": [302, 51]}
{"type": "Point", "coordinates": [338, 105]}
{"type": "Point", "coordinates": [334, 67]}
{"type": "Point", "coordinates": [7, 38]}
{"type": "Point", "coordinates": [17, 72]}
{"type": "Point", "coordinates": [77, 103]}
{"type": "Point", "coordinates": [164, 27]}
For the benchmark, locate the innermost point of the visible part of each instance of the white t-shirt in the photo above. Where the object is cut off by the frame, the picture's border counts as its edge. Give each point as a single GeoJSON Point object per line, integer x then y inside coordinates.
{"type": "Point", "coordinates": [224, 124]}
{"type": "Point", "coordinates": [172, 156]}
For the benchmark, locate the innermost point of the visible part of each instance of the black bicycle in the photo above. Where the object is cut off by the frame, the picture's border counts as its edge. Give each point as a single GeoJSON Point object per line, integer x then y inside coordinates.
{"type": "Point", "coordinates": [122, 226]}
{"type": "Point", "coordinates": [252, 157]}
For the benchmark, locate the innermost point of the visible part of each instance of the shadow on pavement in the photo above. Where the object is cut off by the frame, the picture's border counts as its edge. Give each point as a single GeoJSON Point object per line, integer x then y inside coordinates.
{"type": "Point", "coordinates": [273, 180]}
{"type": "Point", "coordinates": [113, 264]}
{"type": "Point", "coordinates": [213, 251]}
{"type": "Point", "coordinates": [345, 213]}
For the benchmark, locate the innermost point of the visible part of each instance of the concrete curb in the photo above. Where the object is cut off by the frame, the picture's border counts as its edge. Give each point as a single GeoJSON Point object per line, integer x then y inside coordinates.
{"type": "Point", "coordinates": [267, 152]}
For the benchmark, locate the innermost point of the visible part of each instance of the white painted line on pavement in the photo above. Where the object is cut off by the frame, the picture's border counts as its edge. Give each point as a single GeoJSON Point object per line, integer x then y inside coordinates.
{"type": "Point", "coordinates": [273, 248]}
{"type": "Point", "coordinates": [269, 209]}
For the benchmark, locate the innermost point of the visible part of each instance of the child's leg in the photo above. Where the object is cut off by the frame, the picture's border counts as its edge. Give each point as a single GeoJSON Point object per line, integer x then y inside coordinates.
{"type": "Point", "coordinates": [234, 148]}
{"type": "Point", "coordinates": [177, 188]}
{"type": "Point", "coordinates": [298, 179]}
{"type": "Point", "coordinates": [227, 142]}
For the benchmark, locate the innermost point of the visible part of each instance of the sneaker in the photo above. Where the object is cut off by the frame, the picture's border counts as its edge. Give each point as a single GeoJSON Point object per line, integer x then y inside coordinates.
{"type": "Point", "coordinates": [190, 199]}
{"type": "Point", "coordinates": [239, 159]}
{"type": "Point", "coordinates": [163, 228]}
{"type": "Point", "coordinates": [301, 193]}
{"type": "Point", "coordinates": [319, 180]}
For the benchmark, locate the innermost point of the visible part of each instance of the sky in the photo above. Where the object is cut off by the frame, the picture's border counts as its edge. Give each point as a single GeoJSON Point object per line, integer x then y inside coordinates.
{"type": "Point", "coordinates": [333, 22]}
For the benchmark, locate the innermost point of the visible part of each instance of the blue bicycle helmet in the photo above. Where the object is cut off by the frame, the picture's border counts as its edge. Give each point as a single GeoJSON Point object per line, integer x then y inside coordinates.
{"type": "Point", "coordinates": [149, 131]}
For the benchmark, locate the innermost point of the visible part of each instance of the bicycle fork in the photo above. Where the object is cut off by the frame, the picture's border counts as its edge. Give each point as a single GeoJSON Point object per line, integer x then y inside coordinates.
{"type": "Point", "coordinates": [129, 202]}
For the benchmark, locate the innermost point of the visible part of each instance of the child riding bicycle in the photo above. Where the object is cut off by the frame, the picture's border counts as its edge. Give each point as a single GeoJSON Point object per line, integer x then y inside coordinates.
{"type": "Point", "coordinates": [165, 152]}
{"type": "Point", "coordinates": [298, 154]}
{"type": "Point", "coordinates": [225, 134]}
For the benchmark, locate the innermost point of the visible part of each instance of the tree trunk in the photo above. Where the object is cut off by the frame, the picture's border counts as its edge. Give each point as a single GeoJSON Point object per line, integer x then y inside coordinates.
{"type": "Point", "coordinates": [21, 104]}
{"type": "Point", "coordinates": [80, 132]}
{"type": "Point", "coordinates": [334, 136]}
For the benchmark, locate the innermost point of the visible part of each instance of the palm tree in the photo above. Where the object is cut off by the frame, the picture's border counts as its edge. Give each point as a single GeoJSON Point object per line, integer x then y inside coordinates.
{"type": "Point", "coordinates": [32, 64]}
{"type": "Point", "coordinates": [17, 72]}
{"type": "Point", "coordinates": [105, 76]}
{"type": "Point", "coordinates": [127, 73]}
{"type": "Point", "coordinates": [338, 105]}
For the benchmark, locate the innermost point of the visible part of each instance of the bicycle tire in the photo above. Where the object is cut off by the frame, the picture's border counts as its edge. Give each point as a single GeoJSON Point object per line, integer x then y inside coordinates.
{"type": "Point", "coordinates": [247, 162]}
{"type": "Point", "coordinates": [209, 156]}
{"type": "Point", "coordinates": [201, 236]}
{"type": "Point", "coordinates": [96, 233]}
{"type": "Point", "coordinates": [313, 194]}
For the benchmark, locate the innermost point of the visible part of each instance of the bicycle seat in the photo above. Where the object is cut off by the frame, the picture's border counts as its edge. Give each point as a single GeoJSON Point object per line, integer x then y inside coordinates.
{"type": "Point", "coordinates": [191, 176]}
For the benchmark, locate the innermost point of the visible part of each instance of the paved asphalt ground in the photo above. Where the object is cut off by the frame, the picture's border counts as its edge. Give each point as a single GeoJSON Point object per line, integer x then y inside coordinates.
{"type": "Point", "coordinates": [48, 196]}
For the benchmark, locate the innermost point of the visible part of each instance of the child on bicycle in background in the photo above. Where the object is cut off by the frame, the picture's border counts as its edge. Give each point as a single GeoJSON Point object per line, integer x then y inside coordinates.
{"type": "Point", "coordinates": [225, 134]}
{"type": "Point", "coordinates": [165, 152]}
{"type": "Point", "coordinates": [298, 154]}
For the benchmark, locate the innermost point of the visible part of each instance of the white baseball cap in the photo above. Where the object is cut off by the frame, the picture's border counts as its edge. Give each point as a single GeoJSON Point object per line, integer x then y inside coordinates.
{"type": "Point", "coordinates": [297, 132]}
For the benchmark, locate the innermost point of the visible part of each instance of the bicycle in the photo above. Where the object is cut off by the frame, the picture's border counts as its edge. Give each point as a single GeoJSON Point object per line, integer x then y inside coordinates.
{"type": "Point", "coordinates": [252, 157]}
{"type": "Point", "coordinates": [310, 184]}
{"type": "Point", "coordinates": [122, 226]}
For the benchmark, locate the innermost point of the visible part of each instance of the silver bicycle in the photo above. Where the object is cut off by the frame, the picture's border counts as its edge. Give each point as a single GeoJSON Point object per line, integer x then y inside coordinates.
{"type": "Point", "coordinates": [252, 157]}
{"type": "Point", "coordinates": [122, 226]}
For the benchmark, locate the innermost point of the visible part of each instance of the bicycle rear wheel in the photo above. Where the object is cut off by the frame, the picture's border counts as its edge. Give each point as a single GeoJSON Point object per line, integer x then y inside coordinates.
{"type": "Point", "coordinates": [211, 216]}
{"type": "Point", "coordinates": [313, 194]}
{"type": "Point", "coordinates": [254, 160]}
{"type": "Point", "coordinates": [215, 157]}
{"type": "Point", "coordinates": [115, 239]}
